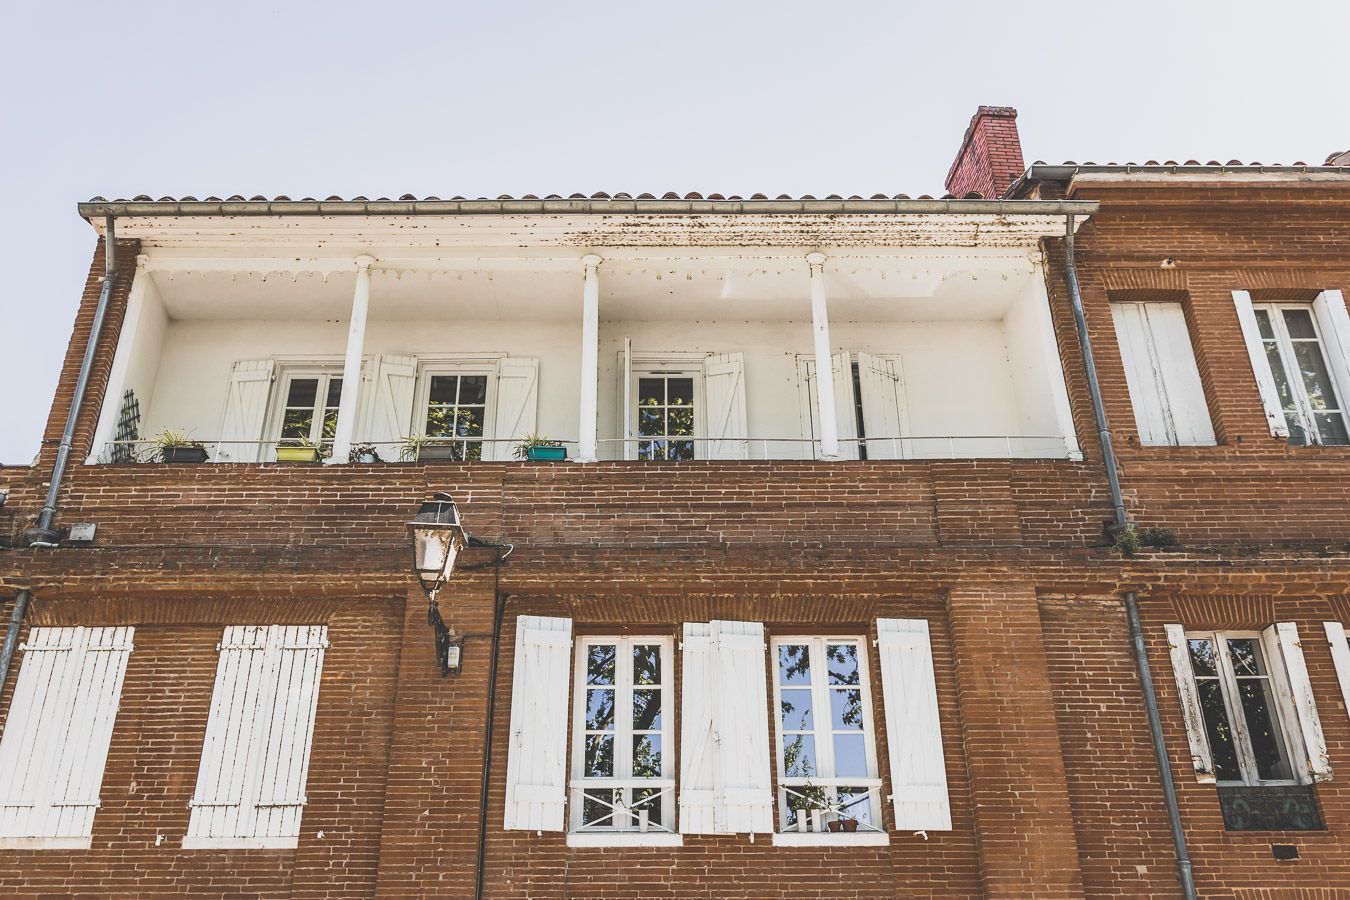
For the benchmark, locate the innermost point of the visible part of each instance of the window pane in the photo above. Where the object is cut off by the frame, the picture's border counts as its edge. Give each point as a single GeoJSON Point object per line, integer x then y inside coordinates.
{"type": "Point", "coordinates": [650, 422]}
{"type": "Point", "coordinates": [1202, 656]}
{"type": "Point", "coordinates": [799, 756]}
{"type": "Point", "coordinates": [680, 450]}
{"type": "Point", "coordinates": [850, 755]}
{"type": "Point", "coordinates": [842, 662]}
{"type": "Point", "coordinates": [600, 664]}
{"type": "Point", "coordinates": [679, 391]}
{"type": "Point", "coordinates": [648, 799]}
{"type": "Point", "coordinates": [647, 756]}
{"type": "Point", "coordinates": [440, 421]}
{"type": "Point", "coordinates": [330, 423]}
{"type": "Point", "coordinates": [846, 709]}
{"type": "Point", "coordinates": [597, 808]}
{"type": "Point", "coordinates": [1219, 731]}
{"type": "Point", "coordinates": [794, 664]}
{"type": "Point", "coordinates": [1297, 434]}
{"type": "Point", "coordinates": [854, 803]}
{"type": "Point", "coordinates": [1263, 324]}
{"type": "Point", "coordinates": [469, 423]}
{"type": "Point", "coordinates": [443, 388]}
{"type": "Point", "coordinates": [1258, 708]}
{"type": "Point", "coordinates": [651, 391]}
{"type": "Point", "coordinates": [599, 756]}
{"type": "Point", "coordinates": [302, 392]}
{"type": "Point", "coordinates": [795, 708]}
{"type": "Point", "coordinates": [1331, 428]}
{"type": "Point", "coordinates": [334, 392]}
{"type": "Point", "coordinates": [647, 664]}
{"type": "Point", "coordinates": [651, 450]}
{"type": "Point", "coordinates": [1243, 653]}
{"type": "Point", "coordinates": [680, 421]}
{"type": "Point", "coordinates": [295, 424]}
{"type": "Point", "coordinates": [1300, 323]}
{"type": "Point", "coordinates": [472, 389]}
{"type": "Point", "coordinates": [1316, 379]}
{"type": "Point", "coordinates": [600, 709]}
{"type": "Point", "coordinates": [647, 710]}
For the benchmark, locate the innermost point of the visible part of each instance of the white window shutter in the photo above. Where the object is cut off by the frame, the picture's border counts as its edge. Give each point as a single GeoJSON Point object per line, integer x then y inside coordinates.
{"type": "Point", "coordinates": [883, 406]}
{"type": "Point", "coordinates": [1185, 394]}
{"type": "Point", "coordinates": [1293, 690]}
{"type": "Point", "coordinates": [913, 728]}
{"type": "Point", "coordinates": [517, 412]}
{"type": "Point", "coordinates": [387, 403]}
{"type": "Point", "coordinates": [536, 763]}
{"type": "Point", "coordinates": [698, 739]}
{"type": "Point", "coordinates": [1147, 395]}
{"type": "Point", "coordinates": [1201, 758]}
{"type": "Point", "coordinates": [741, 726]}
{"type": "Point", "coordinates": [241, 428]}
{"type": "Point", "coordinates": [222, 804]}
{"type": "Point", "coordinates": [844, 411]}
{"type": "Point", "coordinates": [1334, 323]}
{"type": "Point", "coordinates": [298, 653]}
{"type": "Point", "coordinates": [56, 737]}
{"type": "Point", "coordinates": [1340, 656]}
{"type": "Point", "coordinates": [724, 393]}
{"type": "Point", "coordinates": [1265, 381]}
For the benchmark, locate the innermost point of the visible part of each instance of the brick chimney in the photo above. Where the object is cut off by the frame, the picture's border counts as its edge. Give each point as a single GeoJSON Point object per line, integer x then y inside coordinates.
{"type": "Point", "coordinates": [990, 158]}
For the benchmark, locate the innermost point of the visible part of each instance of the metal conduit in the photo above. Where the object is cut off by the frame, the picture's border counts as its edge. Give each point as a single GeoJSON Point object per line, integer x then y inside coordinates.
{"type": "Point", "coordinates": [1184, 868]}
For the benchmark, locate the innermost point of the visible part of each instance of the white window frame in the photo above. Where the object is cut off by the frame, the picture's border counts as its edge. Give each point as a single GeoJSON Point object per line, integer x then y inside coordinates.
{"type": "Point", "coordinates": [1285, 719]}
{"type": "Point", "coordinates": [623, 829]}
{"type": "Point", "coordinates": [789, 833]}
{"type": "Point", "coordinates": [422, 399]}
{"type": "Point", "coordinates": [1284, 345]}
{"type": "Point", "coordinates": [679, 366]}
{"type": "Point", "coordinates": [325, 372]}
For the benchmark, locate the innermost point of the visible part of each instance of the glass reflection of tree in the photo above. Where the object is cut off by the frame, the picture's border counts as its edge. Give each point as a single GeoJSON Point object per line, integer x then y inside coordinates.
{"type": "Point", "coordinates": [457, 422]}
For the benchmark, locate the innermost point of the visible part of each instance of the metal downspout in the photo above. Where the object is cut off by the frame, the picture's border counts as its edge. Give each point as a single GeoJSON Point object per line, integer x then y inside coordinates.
{"type": "Point", "coordinates": [12, 635]}
{"type": "Point", "coordinates": [1184, 869]}
{"type": "Point", "coordinates": [43, 535]}
{"type": "Point", "coordinates": [498, 614]}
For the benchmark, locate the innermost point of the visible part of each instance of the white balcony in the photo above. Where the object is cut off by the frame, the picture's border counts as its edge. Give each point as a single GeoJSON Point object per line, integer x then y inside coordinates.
{"type": "Point", "coordinates": [699, 353]}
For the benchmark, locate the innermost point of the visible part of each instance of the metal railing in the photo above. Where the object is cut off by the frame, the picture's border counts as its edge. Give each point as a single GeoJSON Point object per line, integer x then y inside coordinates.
{"type": "Point", "coordinates": [624, 817]}
{"type": "Point", "coordinates": [811, 804]}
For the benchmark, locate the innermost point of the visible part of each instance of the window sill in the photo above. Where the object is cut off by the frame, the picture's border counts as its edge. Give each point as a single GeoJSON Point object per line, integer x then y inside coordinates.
{"type": "Point", "coordinates": [625, 839]}
{"type": "Point", "coordinates": [44, 843]}
{"type": "Point", "coordinates": [240, 843]}
{"type": "Point", "coordinates": [831, 839]}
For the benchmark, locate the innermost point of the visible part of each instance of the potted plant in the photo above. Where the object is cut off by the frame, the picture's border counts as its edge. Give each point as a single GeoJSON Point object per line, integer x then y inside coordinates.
{"type": "Point", "coordinates": [364, 453]}
{"type": "Point", "coordinates": [175, 447]}
{"type": "Point", "coordinates": [534, 447]}
{"type": "Point", "coordinates": [422, 448]}
{"type": "Point", "coordinates": [298, 450]}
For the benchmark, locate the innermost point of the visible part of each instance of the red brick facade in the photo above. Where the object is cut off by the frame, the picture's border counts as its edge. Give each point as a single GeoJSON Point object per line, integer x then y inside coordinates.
{"type": "Point", "coordinates": [990, 158]}
{"type": "Point", "coordinates": [1052, 782]}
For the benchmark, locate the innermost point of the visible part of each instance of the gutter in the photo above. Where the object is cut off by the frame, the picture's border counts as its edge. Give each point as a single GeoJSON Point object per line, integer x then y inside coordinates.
{"type": "Point", "coordinates": [43, 535]}
{"type": "Point", "coordinates": [1173, 172]}
{"type": "Point", "coordinates": [1128, 598]}
{"type": "Point", "coordinates": [108, 209]}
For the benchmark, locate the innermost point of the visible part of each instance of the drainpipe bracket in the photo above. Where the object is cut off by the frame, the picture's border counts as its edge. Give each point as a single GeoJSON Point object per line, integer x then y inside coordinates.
{"type": "Point", "coordinates": [46, 537]}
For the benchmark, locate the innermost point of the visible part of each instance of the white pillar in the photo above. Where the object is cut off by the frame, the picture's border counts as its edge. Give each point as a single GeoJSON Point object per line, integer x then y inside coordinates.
{"type": "Point", "coordinates": [111, 410]}
{"type": "Point", "coordinates": [820, 328]}
{"type": "Point", "coordinates": [590, 359]}
{"type": "Point", "coordinates": [351, 369]}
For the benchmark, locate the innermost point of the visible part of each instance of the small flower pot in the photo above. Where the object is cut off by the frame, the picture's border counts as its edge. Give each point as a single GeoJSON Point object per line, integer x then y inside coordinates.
{"type": "Point", "coordinates": [367, 458]}
{"type": "Point", "coordinates": [297, 454]}
{"type": "Point", "coordinates": [554, 454]}
{"type": "Point", "coordinates": [436, 452]}
{"type": "Point", "coordinates": [850, 825]}
{"type": "Point", "coordinates": [182, 454]}
{"type": "Point", "coordinates": [835, 826]}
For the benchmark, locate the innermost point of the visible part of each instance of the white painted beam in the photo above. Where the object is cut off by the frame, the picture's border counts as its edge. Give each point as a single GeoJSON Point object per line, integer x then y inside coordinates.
{"type": "Point", "coordinates": [820, 329]}
{"type": "Point", "coordinates": [351, 368]}
{"type": "Point", "coordinates": [590, 359]}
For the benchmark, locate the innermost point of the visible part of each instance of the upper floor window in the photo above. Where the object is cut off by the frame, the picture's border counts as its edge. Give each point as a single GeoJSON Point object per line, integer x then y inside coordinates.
{"type": "Point", "coordinates": [827, 768]}
{"type": "Point", "coordinates": [621, 757]}
{"type": "Point", "coordinates": [455, 410]}
{"type": "Point", "coordinates": [1160, 371]}
{"type": "Point", "coordinates": [309, 407]}
{"type": "Point", "coordinates": [1297, 359]}
{"type": "Point", "coordinates": [667, 414]}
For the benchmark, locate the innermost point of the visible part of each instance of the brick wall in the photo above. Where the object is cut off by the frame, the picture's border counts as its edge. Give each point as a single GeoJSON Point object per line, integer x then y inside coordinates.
{"type": "Point", "coordinates": [990, 158]}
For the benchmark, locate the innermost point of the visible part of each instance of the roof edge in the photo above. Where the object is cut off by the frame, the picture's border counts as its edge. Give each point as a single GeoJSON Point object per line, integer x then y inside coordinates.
{"type": "Point", "coordinates": [98, 209]}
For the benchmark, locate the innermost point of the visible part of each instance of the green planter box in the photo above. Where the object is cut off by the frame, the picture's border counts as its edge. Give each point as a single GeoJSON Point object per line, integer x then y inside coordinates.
{"type": "Point", "coordinates": [297, 454]}
{"type": "Point", "coordinates": [555, 454]}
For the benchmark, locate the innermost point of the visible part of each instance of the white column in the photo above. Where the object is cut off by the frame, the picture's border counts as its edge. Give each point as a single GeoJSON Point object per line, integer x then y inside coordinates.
{"type": "Point", "coordinates": [590, 359]}
{"type": "Point", "coordinates": [351, 369]}
{"type": "Point", "coordinates": [117, 375]}
{"type": "Point", "coordinates": [820, 328]}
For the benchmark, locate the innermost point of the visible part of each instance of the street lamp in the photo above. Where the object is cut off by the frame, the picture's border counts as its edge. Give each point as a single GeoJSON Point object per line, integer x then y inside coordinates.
{"type": "Point", "coordinates": [438, 536]}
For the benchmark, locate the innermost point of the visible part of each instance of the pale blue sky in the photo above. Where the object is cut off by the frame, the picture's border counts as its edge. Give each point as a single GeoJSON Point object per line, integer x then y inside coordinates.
{"type": "Point", "coordinates": [382, 99]}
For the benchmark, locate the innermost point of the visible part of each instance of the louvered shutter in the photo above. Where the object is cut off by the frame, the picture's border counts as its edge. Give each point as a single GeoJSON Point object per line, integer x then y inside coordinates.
{"type": "Point", "coordinates": [1256, 353]}
{"type": "Point", "coordinates": [241, 428]}
{"type": "Point", "coordinates": [1334, 323]}
{"type": "Point", "coordinates": [698, 740]}
{"type": "Point", "coordinates": [1293, 690]}
{"type": "Point", "coordinates": [1340, 656]}
{"type": "Point", "coordinates": [883, 406]}
{"type": "Point", "coordinates": [536, 763]}
{"type": "Point", "coordinates": [387, 403]}
{"type": "Point", "coordinates": [56, 737]}
{"type": "Point", "coordinates": [913, 728]}
{"type": "Point", "coordinates": [298, 653]}
{"type": "Point", "coordinates": [740, 722]}
{"type": "Point", "coordinates": [724, 392]}
{"type": "Point", "coordinates": [222, 801]}
{"type": "Point", "coordinates": [517, 411]}
{"type": "Point", "coordinates": [1179, 652]}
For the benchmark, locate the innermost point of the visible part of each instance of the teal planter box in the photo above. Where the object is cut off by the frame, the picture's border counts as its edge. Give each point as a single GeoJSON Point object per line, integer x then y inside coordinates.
{"type": "Point", "coordinates": [555, 454]}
